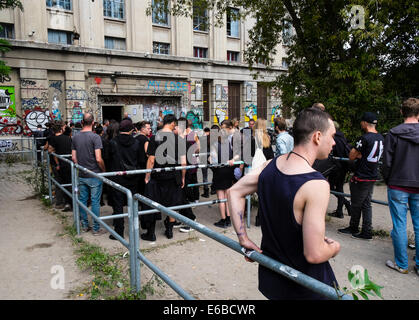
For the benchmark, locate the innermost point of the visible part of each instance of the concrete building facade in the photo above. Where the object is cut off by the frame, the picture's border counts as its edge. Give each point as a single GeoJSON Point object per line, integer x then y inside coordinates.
{"type": "Point", "coordinates": [110, 57]}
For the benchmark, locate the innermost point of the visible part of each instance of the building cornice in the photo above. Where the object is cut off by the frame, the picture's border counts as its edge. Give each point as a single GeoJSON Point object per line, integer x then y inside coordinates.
{"type": "Point", "coordinates": [24, 44]}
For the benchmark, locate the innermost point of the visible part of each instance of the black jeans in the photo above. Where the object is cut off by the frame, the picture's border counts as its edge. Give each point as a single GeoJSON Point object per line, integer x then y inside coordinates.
{"type": "Point", "coordinates": [337, 180]}
{"type": "Point", "coordinates": [361, 194]}
{"type": "Point", "coordinates": [119, 199]}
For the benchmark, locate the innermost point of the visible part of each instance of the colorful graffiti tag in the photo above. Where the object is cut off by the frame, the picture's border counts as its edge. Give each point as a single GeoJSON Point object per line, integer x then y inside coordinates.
{"type": "Point", "coordinates": [250, 112]}
{"type": "Point", "coordinates": [196, 116]}
{"type": "Point", "coordinates": [9, 124]}
{"type": "Point", "coordinates": [276, 112]}
{"type": "Point", "coordinates": [220, 114]}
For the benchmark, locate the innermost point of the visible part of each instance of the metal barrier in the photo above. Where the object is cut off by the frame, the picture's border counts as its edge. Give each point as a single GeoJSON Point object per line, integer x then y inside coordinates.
{"type": "Point", "coordinates": [286, 271]}
{"type": "Point", "coordinates": [133, 221]}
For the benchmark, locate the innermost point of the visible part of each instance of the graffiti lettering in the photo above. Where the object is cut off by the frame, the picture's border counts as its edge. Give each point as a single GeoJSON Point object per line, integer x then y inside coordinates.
{"type": "Point", "coordinates": [8, 145]}
{"type": "Point", "coordinates": [4, 78]}
{"type": "Point", "coordinates": [27, 82]}
{"type": "Point", "coordinates": [56, 84]}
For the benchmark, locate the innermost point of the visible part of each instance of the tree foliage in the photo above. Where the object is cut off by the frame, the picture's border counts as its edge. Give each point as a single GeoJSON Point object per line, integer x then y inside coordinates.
{"type": "Point", "coordinates": [350, 70]}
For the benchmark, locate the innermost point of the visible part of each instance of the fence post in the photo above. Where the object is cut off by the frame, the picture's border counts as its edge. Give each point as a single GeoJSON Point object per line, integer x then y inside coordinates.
{"type": "Point", "coordinates": [76, 208]}
{"type": "Point", "coordinates": [49, 178]}
{"type": "Point", "coordinates": [132, 247]}
{"type": "Point", "coordinates": [136, 244]}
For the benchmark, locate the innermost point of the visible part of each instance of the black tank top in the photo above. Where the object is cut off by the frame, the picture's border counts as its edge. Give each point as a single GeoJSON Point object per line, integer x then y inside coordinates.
{"type": "Point", "coordinates": [282, 236]}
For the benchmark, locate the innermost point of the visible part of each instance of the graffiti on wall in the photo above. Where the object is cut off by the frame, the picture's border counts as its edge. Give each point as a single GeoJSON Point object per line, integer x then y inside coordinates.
{"type": "Point", "coordinates": [77, 112]}
{"type": "Point", "coordinates": [36, 116]}
{"type": "Point", "coordinates": [8, 145]}
{"type": "Point", "coordinates": [250, 112]}
{"type": "Point", "coordinates": [9, 124]}
{"type": "Point", "coordinates": [276, 112]}
{"type": "Point", "coordinates": [55, 91]}
{"type": "Point", "coordinates": [169, 86]}
{"type": "Point", "coordinates": [220, 114]}
{"type": "Point", "coordinates": [196, 115]}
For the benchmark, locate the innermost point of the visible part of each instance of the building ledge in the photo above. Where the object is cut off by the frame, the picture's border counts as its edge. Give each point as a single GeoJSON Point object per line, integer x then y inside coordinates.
{"type": "Point", "coordinates": [77, 49]}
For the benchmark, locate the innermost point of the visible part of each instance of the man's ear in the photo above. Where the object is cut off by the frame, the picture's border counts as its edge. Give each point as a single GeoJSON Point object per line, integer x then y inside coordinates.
{"type": "Point", "coordinates": [316, 137]}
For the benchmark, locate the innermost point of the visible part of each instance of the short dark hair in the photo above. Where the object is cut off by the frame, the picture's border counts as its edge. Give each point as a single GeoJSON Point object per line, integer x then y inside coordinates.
{"type": "Point", "coordinates": [228, 123]}
{"type": "Point", "coordinates": [410, 108]}
{"type": "Point", "coordinates": [280, 123]}
{"type": "Point", "coordinates": [169, 118]}
{"type": "Point", "coordinates": [206, 129]}
{"type": "Point", "coordinates": [308, 121]}
{"type": "Point", "coordinates": [142, 124]}
{"type": "Point", "coordinates": [99, 129]}
{"type": "Point", "coordinates": [88, 119]}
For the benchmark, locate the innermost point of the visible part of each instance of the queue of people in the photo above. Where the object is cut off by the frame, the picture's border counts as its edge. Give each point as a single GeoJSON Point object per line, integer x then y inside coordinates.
{"type": "Point", "coordinates": [293, 195]}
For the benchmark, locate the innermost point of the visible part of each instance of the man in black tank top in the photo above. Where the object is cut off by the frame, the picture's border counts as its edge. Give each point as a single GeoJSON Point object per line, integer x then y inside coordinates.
{"type": "Point", "coordinates": [293, 199]}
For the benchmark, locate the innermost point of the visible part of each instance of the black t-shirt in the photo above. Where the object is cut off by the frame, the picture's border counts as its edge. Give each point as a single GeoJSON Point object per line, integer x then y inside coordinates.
{"type": "Point", "coordinates": [142, 139]}
{"type": "Point", "coordinates": [172, 147]}
{"type": "Point", "coordinates": [371, 147]}
{"type": "Point", "coordinates": [61, 145]}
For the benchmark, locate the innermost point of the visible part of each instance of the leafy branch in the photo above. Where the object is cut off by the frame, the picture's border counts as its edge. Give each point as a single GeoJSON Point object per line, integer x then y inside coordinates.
{"type": "Point", "coordinates": [361, 285]}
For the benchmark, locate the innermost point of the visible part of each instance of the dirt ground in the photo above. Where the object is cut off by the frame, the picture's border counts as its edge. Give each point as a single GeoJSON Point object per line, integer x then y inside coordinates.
{"type": "Point", "coordinates": [32, 244]}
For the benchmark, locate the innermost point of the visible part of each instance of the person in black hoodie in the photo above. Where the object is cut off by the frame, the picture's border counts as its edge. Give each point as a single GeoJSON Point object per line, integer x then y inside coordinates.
{"type": "Point", "coordinates": [124, 155]}
{"type": "Point", "coordinates": [400, 171]}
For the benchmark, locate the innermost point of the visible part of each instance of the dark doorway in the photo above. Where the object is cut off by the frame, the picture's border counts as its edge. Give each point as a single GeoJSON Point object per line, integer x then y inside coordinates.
{"type": "Point", "coordinates": [112, 112]}
{"type": "Point", "coordinates": [233, 101]}
{"type": "Point", "coordinates": [262, 104]}
{"type": "Point", "coordinates": [206, 100]}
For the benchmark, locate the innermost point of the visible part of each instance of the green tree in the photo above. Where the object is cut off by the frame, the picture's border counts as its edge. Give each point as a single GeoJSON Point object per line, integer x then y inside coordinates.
{"type": "Point", "coordinates": [350, 70]}
{"type": "Point", "coordinates": [4, 44]}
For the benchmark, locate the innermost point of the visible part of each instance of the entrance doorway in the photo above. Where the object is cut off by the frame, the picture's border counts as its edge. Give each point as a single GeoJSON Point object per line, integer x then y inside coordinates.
{"type": "Point", "coordinates": [112, 113]}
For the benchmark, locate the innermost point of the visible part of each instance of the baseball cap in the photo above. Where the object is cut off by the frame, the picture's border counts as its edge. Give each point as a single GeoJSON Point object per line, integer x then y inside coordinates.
{"type": "Point", "coordinates": [126, 125]}
{"type": "Point", "coordinates": [369, 117]}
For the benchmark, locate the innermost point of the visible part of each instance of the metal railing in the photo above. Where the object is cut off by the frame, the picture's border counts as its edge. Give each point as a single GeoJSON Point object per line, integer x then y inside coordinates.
{"type": "Point", "coordinates": [133, 244]}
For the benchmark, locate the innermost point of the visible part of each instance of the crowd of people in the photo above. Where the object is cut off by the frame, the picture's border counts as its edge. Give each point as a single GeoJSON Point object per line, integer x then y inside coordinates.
{"type": "Point", "coordinates": [307, 163]}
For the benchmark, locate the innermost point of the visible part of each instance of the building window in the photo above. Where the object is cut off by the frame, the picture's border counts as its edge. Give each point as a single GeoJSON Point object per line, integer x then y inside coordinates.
{"type": "Point", "coordinates": [61, 4]}
{"type": "Point", "coordinates": [7, 31]}
{"type": "Point", "coordinates": [233, 23]}
{"type": "Point", "coordinates": [200, 19]}
{"type": "Point", "coordinates": [161, 48]}
{"type": "Point", "coordinates": [160, 12]}
{"type": "Point", "coordinates": [114, 9]}
{"type": "Point", "coordinates": [287, 32]}
{"type": "Point", "coordinates": [233, 56]}
{"type": "Point", "coordinates": [60, 37]}
{"type": "Point", "coordinates": [115, 43]}
{"type": "Point", "coordinates": [200, 52]}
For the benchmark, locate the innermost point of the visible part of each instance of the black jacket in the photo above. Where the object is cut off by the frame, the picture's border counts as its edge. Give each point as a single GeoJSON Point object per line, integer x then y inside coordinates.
{"type": "Point", "coordinates": [401, 156]}
{"type": "Point", "coordinates": [124, 155]}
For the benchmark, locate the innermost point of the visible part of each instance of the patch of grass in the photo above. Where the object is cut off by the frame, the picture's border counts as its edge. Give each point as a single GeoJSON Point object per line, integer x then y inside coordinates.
{"type": "Point", "coordinates": [381, 233]}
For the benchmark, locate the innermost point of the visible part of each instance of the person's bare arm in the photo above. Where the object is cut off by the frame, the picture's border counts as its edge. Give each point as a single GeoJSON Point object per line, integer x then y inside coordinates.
{"type": "Point", "coordinates": [99, 160]}
{"type": "Point", "coordinates": [354, 154]}
{"type": "Point", "coordinates": [313, 199]}
{"type": "Point", "coordinates": [150, 165]}
{"type": "Point", "coordinates": [236, 199]}
{"type": "Point", "coordinates": [74, 156]}
{"type": "Point", "coordinates": [183, 164]}
{"type": "Point", "coordinates": [145, 147]}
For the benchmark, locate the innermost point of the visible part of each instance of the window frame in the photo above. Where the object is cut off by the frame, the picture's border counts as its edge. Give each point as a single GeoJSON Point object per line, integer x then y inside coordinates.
{"type": "Point", "coordinates": [198, 50]}
{"type": "Point", "coordinates": [113, 41]}
{"type": "Point", "coordinates": [69, 35]}
{"type": "Point", "coordinates": [155, 16]}
{"type": "Point", "coordinates": [160, 45]}
{"type": "Point", "coordinates": [231, 53]}
{"type": "Point", "coordinates": [229, 23]}
{"type": "Point", "coordinates": [201, 20]}
{"type": "Point", "coordinates": [112, 11]}
{"type": "Point", "coordinates": [5, 28]}
{"type": "Point", "coordinates": [49, 4]}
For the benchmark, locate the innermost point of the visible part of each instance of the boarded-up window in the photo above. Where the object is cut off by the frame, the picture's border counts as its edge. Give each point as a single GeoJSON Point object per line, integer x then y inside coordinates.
{"type": "Point", "coordinates": [262, 103]}
{"type": "Point", "coordinates": [234, 100]}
